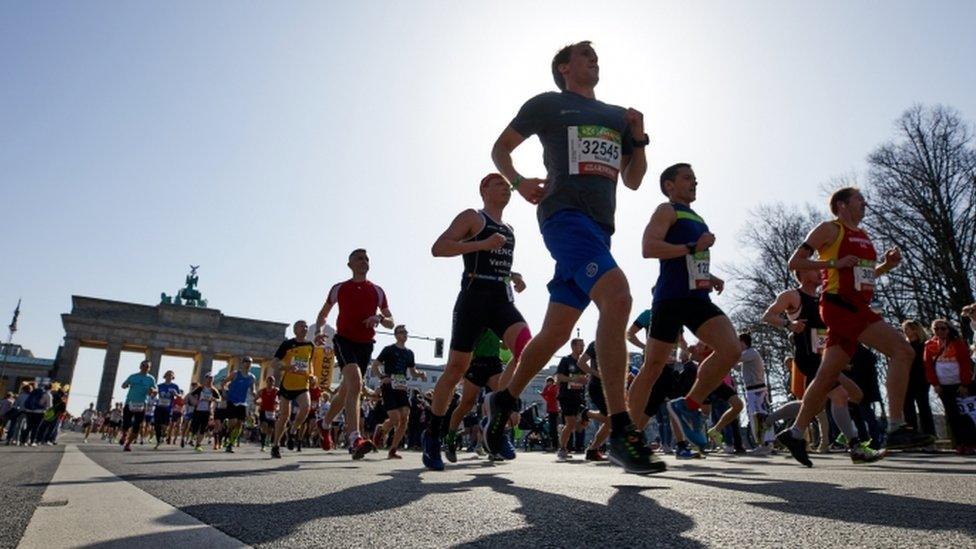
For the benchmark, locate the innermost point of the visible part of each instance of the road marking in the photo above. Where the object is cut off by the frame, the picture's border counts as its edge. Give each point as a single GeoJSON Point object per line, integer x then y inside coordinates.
{"type": "Point", "coordinates": [85, 504]}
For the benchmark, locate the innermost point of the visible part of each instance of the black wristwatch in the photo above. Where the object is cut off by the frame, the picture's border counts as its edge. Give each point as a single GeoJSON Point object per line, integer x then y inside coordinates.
{"type": "Point", "coordinates": [645, 141]}
{"type": "Point", "coordinates": [691, 247]}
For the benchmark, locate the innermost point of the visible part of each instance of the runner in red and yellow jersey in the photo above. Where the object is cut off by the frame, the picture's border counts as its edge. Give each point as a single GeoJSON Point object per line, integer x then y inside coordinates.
{"type": "Point", "coordinates": [850, 265]}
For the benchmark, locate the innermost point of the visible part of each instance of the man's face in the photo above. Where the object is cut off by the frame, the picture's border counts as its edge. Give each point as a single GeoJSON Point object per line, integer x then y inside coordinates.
{"type": "Point", "coordinates": [684, 187]}
{"type": "Point", "coordinates": [577, 347]}
{"type": "Point", "coordinates": [143, 367]}
{"type": "Point", "coordinates": [401, 335]}
{"type": "Point", "coordinates": [359, 263]}
{"type": "Point", "coordinates": [583, 67]}
{"type": "Point", "coordinates": [855, 205]}
{"type": "Point", "coordinates": [246, 364]}
{"type": "Point", "coordinates": [168, 377]}
{"type": "Point", "coordinates": [497, 191]}
{"type": "Point", "coordinates": [301, 330]}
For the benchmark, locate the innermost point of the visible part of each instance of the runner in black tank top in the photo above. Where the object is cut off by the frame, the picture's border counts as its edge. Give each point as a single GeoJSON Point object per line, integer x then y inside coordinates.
{"type": "Point", "coordinates": [808, 344]}
{"type": "Point", "coordinates": [485, 301]}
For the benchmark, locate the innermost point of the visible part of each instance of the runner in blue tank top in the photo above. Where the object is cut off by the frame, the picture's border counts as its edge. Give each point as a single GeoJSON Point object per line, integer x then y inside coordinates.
{"type": "Point", "coordinates": [680, 238]}
{"type": "Point", "coordinates": [239, 384]}
{"type": "Point", "coordinates": [586, 145]}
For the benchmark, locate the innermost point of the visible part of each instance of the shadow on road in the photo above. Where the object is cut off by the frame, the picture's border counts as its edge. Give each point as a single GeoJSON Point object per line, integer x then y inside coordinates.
{"type": "Point", "coordinates": [221, 474]}
{"type": "Point", "coordinates": [861, 505]}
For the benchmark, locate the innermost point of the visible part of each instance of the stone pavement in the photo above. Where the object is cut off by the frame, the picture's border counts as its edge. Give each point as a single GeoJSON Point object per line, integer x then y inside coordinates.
{"type": "Point", "coordinates": [325, 499]}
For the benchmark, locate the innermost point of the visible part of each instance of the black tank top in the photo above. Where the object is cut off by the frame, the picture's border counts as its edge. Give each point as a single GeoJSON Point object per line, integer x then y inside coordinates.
{"type": "Point", "coordinates": [486, 267]}
{"type": "Point", "coordinates": [809, 311]}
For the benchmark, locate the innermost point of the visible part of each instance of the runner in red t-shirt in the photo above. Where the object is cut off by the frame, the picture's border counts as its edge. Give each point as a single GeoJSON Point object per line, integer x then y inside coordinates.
{"type": "Point", "coordinates": [358, 300]}
{"type": "Point", "coordinates": [267, 409]}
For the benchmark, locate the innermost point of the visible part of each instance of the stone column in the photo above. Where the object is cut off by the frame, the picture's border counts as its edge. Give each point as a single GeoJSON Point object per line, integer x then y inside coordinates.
{"type": "Point", "coordinates": [69, 356]}
{"type": "Point", "coordinates": [204, 365]}
{"type": "Point", "coordinates": [110, 370]}
{"type": "Point", "coordinates": [155, 357]}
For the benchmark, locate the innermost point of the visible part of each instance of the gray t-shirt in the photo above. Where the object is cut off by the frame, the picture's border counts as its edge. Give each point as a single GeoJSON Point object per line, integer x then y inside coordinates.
{"type": "Point", "coordinates": [753, 368]}
{"type": "Point", "coordinates": [583, 141]}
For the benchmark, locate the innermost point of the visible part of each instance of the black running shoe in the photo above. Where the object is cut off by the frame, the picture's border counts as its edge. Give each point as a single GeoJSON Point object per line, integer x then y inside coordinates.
{"type": "Point", "coordinates": [291, 442]}
{"type": "Point", "coordinates": [450, 447]}
{"type": "Point", "coordinates": [229, 449]}
{"type": "Point", "coordinates": [629, 450]}
{"type": "Point", "coordinates": [494, 430]}
{"type": "Point", "coordinates": [361, 447]}
{"type": "Point", "coordinates": [275, 452]}
{"type": "Point", "coordinates": [796, 446]}
{"type": "Point", "coordinates": [298, 445]}
{"type": "Point", "coordinates": [905, 437]}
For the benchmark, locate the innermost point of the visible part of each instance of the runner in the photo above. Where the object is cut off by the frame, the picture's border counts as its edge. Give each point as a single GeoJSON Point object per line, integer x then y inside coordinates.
{"type": "Point", "coordinates": [134, 413]}
{"type": "Point", "coordinates": [586, 144]}
{"type": "Point", "coordinates": [485, 301]}
{"type": "Point", "coordinates": [594, 389]}
{"type": "Point", "coordinates": [167, 392]}
{"type": "Point", "coordinates": [396, 361]}
{"type": "Point", "coordinates": [572, 394]}
{"type": "Point", "coordinates": [848, 259]}
{"type": "Point", "coordinates": [88, 418]}
{"type": "Point", "coordinates": [201, 400]}
{"type": "Point", "coordinates": [680, 239]}
{"type": "Point", "coordinates": [188, 410]}
{"type": "Point", "coordinates": [267, 409]}
{"type": "Point", "coordinates": [114, 421]}
{"type": "Point", "coordinates": [291, 365]}
{"type": "Point", "coordinates": [239, 384]}
{"type": "Point", "coordinates": [798, 312]}
{"type": "Point", "coordinates": [753, 370]}
{"type": "Point", "coordinates": [149, 420]}
{"type": "Point", "coordinates": [176, 418]}
{"type": "Point", "coordinates": [483, 375]}
{"type": "Point", "coordinates": [308, 430]}
{"type": "Point", "coordinates": [358, 300]}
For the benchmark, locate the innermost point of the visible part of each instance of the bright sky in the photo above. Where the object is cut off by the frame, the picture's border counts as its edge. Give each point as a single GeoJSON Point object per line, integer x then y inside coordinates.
{"type": "Point", "coordinates": [264, 142]}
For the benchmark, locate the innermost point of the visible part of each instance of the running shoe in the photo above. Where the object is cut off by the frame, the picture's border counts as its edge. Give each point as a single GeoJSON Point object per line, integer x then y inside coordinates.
{"type": "Point", "coordinates": [796, 446]}
{"type": "Point", "coordinates": [291, 442]}
{"type": "Point", "coordinates": [629, 450]}
{"type": "Point", "coordinates": [563, 455]}
{"type": "Point", "coordinates": [298, 444]}
{"type": "Point", "coordinates": [450, 446]}
{"type": "Point", "coordinates": [432, 452]}
{"type": "Point", "coordinates": [683, 452]}
{"type": "Point", "coordinates": [494, 427]}
{"type": "Point", "coordinates": [327, 440]}
{"type": "Point", "coordinates": [378, 437]}
{"type": "Point", "coordinates": [595, 455]}
{"type": "Point", "coordinates": [761, 451]}
{"type": "Point", "coordinates": [507, 450]}
{"type": "Point", "coordinates": [126, 448]}
{"type": "Point", "coordinates": [861, 452]}
{"type": "Point", "coordinates": [182, 443]}
{"type": "Point", "coordinates": [361, 447]}
{"type": "Point", "coordinates": [905, 437]}
{"type": "Point", "coordinates": [275, 452]}
{"type": "Point", "coordinates": [198, 448]}
{"type": "Point", "coordinates": [392, 454]}
{"type": "Point", "coordinates": [690, 422]}
{"type": "Point", "coordinates": [229, 449]}
{"type": "Point", "coordinates": [716, 437]}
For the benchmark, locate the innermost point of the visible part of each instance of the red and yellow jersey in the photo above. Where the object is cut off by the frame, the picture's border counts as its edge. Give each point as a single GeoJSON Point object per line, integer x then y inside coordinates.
{"type": "Point", "coordinates": [855, 284]}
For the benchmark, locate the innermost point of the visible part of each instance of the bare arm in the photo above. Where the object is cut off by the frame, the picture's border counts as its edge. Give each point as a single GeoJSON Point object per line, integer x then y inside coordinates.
{"type": "Point", "coordinates": [584, 364]}
{"type": "Point", "coordinates": [501, 154]}
{"type": "Point", "coordinates": [653, 245]}
{"type": "Point", "coordinates": [320, 320]}
{"type": "Point", "coordinates": [632, 335]}
{"type": "Point", "coordinates": [452, 242]}
{"type": "Point", "coordinates": [375, 367]}
{"type": "Point", "coordinates": [634, 165]}
{"type": "Point", "coordinates": [785, 302]}
{"type": "Point", "coordinates": [387, 319]}
{"type": "Point", "coordinates": [819, 238]}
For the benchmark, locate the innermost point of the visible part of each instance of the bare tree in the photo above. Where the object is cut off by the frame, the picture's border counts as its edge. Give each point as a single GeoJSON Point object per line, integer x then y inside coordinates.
{"type": "Point", "coordinates": [922, 197]}
{"type": "Point", "coordinates": [774, 232]}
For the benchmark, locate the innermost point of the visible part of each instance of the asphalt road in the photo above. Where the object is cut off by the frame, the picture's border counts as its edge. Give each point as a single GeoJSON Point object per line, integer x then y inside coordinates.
{"type": "Point", "coordinates": [325, 499]}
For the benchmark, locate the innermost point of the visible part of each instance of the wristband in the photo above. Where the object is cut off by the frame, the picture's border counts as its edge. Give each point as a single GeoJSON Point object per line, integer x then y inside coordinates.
{"type": "Point", "coordinates": [518, 181]}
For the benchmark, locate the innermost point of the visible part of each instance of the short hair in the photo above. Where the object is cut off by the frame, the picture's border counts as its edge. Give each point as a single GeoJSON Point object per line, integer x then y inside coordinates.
{"type": "Point", "coordinates": [356, 251]}
{"type": "Point", "coordinates": [486, 179]}
{"type": "Point", "coordinates": [562, 57]}
{"type": "Point", "coordinates": [841, 195]}
{"type": "Point", "coordinates": [670, 173]}
{"type": "Point", "coordinates": [297, 322]}
{"type": "Point", "coordinates": [746, 338]}
{"type": "Point", "coordinates": [145, 363]}
{"type": "Point", "coordinates": [575, 339]}
{"type": "Point", "coordinates": [399, 327]}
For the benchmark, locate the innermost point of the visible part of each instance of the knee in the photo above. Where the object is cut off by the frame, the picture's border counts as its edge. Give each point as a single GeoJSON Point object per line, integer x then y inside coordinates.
{"type": "Point", "coordinates": [903, 353]}
{"type": "Point", "coordinates": [617, 303]}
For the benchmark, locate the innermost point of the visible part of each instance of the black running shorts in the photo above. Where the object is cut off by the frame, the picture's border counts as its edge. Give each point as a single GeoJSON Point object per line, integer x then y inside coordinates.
{"type": "Point", "coordinates": [668, 317]}
{"type": "Point", "coordinates": [483, 369]}
{"type": "Point", "coordinates": [479, 308]}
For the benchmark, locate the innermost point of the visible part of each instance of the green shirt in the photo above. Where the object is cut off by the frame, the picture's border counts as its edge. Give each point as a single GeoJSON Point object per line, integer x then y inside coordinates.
{"type": "Point", "coordinates": [488, 345]}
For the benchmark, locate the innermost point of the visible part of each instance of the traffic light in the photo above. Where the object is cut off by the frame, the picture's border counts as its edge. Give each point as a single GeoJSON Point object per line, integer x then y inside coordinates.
{"type": "Point", "coordinates": [439, 347]}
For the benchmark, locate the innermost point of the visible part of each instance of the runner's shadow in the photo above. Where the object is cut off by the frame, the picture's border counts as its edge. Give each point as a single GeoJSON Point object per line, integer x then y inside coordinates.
{"type": "Point", "coordinates": [249, 521]}
{"type": "Point", "coordinates": [628, 519]}
{"type": "Point", "coordinates": [203, 475]}
{"type": "Point", "coordinates": [867, 506]}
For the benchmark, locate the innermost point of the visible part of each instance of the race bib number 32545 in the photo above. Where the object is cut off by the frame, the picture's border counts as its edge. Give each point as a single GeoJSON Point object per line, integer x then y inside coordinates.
{"type": "Point", "coordinates": [594, 150]}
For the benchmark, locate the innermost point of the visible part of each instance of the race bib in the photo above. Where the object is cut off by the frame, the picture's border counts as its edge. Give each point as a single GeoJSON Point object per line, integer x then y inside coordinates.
{"type": "Point", "coordinates": [967, 407]}
{"type": "Point", "coordinates": [509, 292]}
{"type": "Point", "coordinates": [399, 382]}
{"type": "Point", "coordinates": [164, 401]}
{"type": "Point", "coordinates": [818, 340]}
{"type": "Point", "coordinates": [299, 366]}
{"type": "Point", "coordinates": [864, 276]}
{"type": "Point", "coordinates": [698, 274]}
{"type": "Point", "coordinates": [269, 415]}
{"type": "Point", "coordinates": [575, 386]}
{"type": "Point", "coordinates": [137, 406]}
{"type": "Point", "coordinates": [594, 150]}
{"type": "Point", "coordinates": [222, 404]}
{"type": "Point", "coordinates": [947, 371]}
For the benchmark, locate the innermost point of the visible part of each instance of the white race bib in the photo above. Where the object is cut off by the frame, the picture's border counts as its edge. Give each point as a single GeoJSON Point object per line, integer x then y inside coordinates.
{"type": "Point", "coordinates": [594, 150]}
{"type": "Point", "coordinates": [164, 401]}
{"type": "Point", "coordinates": [864, 275]}
{"type": "Point", "coordinates": [222, 404]}
{"type": "Point", "coordinates": [575, 386]}
{"type": "Point", "coordinates": [399, 382]}
{"type": "Point", "coordinates": [947, 371]}
{"type": "Point", "coordinates": [137, 406]}
{"type": "Point", "coordinates": [818, 340]}
{"type": "Point", "coordinates": [699, 277]}
{"type": "Point", "coordinates": [299, 366]}
{"type": "Point", "coordinates": [269, 414]}
{"type": "Point", "coordinates": [967, 406]}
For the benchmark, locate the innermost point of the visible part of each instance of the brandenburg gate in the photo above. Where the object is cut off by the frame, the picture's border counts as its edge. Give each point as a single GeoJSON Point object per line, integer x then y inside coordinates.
{"type": "Point", "coordinates": [171, 329]}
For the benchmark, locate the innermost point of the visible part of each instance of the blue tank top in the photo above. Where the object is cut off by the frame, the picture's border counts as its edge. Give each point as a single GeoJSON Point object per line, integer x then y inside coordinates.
{"type": "Point", "coordinates": [239, 387]}
{"type": "Point", "coordinates": [673, 282]}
